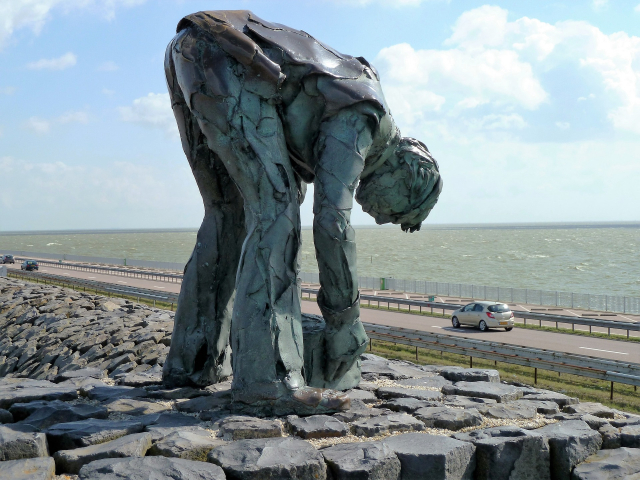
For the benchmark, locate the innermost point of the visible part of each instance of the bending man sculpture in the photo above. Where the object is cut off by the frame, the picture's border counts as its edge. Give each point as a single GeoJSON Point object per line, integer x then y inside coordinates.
{"type": "Point", "coordinates": [263, 110]}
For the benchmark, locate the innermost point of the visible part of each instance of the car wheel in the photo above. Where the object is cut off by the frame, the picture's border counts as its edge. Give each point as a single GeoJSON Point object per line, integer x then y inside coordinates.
{"type": "Point", "coordinates": [508, 329]}
{"type": "Point", "coordinates": [455, 322]}
{"type": "Point", "coordinates": [483, 326]}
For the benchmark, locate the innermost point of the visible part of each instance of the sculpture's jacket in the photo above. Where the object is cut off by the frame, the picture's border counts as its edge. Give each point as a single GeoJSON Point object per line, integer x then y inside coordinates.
{"type": "Point", "coordinates": [271, 51]}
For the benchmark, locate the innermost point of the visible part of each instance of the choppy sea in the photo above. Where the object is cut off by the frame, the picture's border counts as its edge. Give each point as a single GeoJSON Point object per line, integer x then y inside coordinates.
{"type": "Point", "coordinates": [576, 258]}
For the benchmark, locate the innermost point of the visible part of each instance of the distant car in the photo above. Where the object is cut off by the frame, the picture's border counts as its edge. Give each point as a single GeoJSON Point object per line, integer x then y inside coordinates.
{"type": "Point", "coordinates": [29, 265]}
{"type": "Point", "coordinates": [7, 259]}
{"type": "Point", "coordinates": [484, 315]}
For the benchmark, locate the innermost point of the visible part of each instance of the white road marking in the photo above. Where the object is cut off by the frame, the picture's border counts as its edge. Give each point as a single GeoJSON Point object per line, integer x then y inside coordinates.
{"type": "Point", "coordinates": [156, 286]}
{"type": "Point", "coordinates": [606, 351]}
{"type": "Point", "coordinates": [67, 274]}
{"type": "Point", "coordinates": [120, 281]}
{"type": "Point", "coordinates": [524, 308]}
{"type": "Point", "coordinates": [436, 326]}
{"type": "Point", "coordinates": [91, 277]}
{"type": "Point", "coordinates": [630, 319]}
{"type": "Point", "coordinates": [573, 313]}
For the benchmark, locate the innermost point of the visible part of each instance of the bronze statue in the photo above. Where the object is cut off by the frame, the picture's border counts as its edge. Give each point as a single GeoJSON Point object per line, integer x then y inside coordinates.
{"type": "Point", "coordinates": [262, 110]}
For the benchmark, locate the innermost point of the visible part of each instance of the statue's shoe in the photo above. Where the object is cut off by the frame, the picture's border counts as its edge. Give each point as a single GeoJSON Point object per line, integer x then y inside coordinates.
{"type": "Point", "coordinates": [302, 401]}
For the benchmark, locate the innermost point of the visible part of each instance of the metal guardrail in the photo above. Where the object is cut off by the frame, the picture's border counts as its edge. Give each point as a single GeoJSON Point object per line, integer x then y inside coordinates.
{"type": "Point", "coordinates": [582, 365]}
{"type": "Point", "coordinates": [558, 319]}
{"type": "Point", "coordinates": [125, 272]}
{"type": "Point", "coordinates": [134, 292]}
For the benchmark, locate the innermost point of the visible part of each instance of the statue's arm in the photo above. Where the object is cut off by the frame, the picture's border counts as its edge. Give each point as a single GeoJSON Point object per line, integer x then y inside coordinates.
{"type": "Point", "coordinates": [340, 151]}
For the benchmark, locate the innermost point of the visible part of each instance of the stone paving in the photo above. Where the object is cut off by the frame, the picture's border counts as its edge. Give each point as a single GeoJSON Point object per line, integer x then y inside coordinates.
{"type": "Point", "coordinates": [81, 398]}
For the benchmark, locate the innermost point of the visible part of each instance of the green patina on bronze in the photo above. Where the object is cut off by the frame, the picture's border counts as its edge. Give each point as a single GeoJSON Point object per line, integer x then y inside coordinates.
{"type": "Point", "coordinates": [263, 110]}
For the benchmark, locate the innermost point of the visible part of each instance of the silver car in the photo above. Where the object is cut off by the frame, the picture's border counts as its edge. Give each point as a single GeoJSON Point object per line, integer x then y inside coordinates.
{"type": "Point", "coordinates": [484, 315]}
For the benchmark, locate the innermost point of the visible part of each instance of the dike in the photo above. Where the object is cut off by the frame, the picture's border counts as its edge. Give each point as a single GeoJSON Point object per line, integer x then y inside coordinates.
{"type": "Point", "coordinates": [81, 397]}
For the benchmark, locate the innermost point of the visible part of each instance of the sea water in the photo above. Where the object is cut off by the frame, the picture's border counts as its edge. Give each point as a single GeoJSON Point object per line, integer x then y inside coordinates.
{"type": "Point", "coordinates": [589, 259]}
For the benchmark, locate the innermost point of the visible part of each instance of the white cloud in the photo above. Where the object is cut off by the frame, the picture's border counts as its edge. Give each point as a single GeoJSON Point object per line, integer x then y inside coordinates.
{"type": "Point", "coordinates": [108, 67]}
{"type": "Point", "coordinates": [41, 125]}
{"type": "Point", "coordinates": [600, 4]}
{"type": "Point", "coordinates": [637, 9]}
{"type": "Point", "coordinates": [387, 3]}
{"type": "Point", "coordinates": [563, 125]}
{"type": "Point", "coordinates": [65, 61]}
{"type": "Point", "coordinates": [34, 14]}
{"type": "Point", "coordinates": [106, 91]}
{"type": "Point", "coordinates": [7, 90]}
{"type": "Point", "coordinates": [154, 111]}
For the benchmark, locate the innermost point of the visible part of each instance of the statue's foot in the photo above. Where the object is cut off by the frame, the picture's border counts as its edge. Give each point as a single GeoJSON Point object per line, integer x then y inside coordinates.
{"type": "Point", "coordinates": [302, 401]}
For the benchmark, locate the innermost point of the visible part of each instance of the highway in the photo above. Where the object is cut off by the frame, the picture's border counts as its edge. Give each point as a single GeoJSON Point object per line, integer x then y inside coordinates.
{"type": "Point", "coordinates": [582, 345]}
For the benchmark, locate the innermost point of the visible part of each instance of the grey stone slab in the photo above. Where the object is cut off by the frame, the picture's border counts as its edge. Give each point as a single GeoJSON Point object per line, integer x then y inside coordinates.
{"type": "Point", "coordinates": [192, 444]}
{"type": "Point", "coordinates": [630, 436]}
{"type": "Point", "coordinates": [146, 468]}
{"type": "Point", "coordinates": [317, 426]}
{"type": "Point", "coordinates": [546, 395]}
{"type": "Point", "coordinates": [507, 453]}
{"type": "Point", "coordinates": [6, 416]}
{"type": "Point", "coordinates": [107, 394]}
{"type": "Point", "coordinates": [459, 374]}
{"type": "Point", "coordinates": [21, 441]}
{"type": "Point", "coordinates": [82, 373]}
{"type": "Point", "coordinates": [388, 393]}
{"type": "Point", "coordinates": [133, 406]}
{"type": "Point", "coordinates": [610, 437]}
{"type": "Point", "coordinates": [461, 401]}
{"type": "Point", "coordinates": [434, 457]}
{"type": "Point", "coordinates": [544, 407]}
{"type": "Point", "coordinates": [71, 461]}
{"type": "Point", "coordinates": [166, 423]}
{"type": "Point", "coordinates": [497, 391]}
{"type": "Point", "coordinates": [44, 414]}
{"type": "Point", "coordinates": [618, 464]}
{"type": "Point", "coordinates": [67, 436]}
{"type": "Point", "coordinates": [435, 381]}
{"type": "Point", "coordinates": [357, 411]}
{"type": "Point", "coordinates": [509, 411]}
{"type": "Point", "coordinates": [393, 369]}
{"type": "Point", "coordinates": [359, 461]}
{"type": "Point", "coordinates": [177, 393]}
{"type": "Point", "coordinates": [395, 422]}
{"type": "Point", "coordinates": [22, 390]}
{"type": "Point", "coordinates": [362, 395]}
{"type": "Point", "coordinates": [408, 405]}
{"type": "Point", "coordinates": [449, 418]}
{"type": "Point", "coordinates": [239, 427]}
{"type": "Point", "coordinates": [288, 457]}
{"type": "Point", "coordinates": [590, 408]}
{"type": "Point", "coordinates": [200, 404]}
{"type": "Point", "coordinates": [43, 468]}
{"type": "Point", "coordinates": [570, 443]}
{"type": "Point", "coordinates": [594, 422]}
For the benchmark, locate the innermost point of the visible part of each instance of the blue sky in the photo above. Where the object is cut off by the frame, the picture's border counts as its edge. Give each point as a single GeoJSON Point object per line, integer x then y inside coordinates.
{"type": "Point", "coordinates": [531, 108]}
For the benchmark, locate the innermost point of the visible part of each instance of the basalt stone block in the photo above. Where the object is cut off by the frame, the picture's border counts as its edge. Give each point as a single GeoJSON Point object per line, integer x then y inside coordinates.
{"type": "Point", "coordinates": [146, 468]}
{"type": "Point", "coordinates": [506, 453]}
{"type": "Point", "coordinates": [67, 436]}
{"type": "Point", "coordinates": [240, 428]}
{"type": "Point", "coordinates": [590, 408]}
{"type": "Point", "coordinates": [362, 461]}
{"type": "Point", "coordinates": [6, 416]}
{"type": "Point", "coordinates": [393, 369]}
{"type": "Point", "coordinates": [497, 391]}
{"type": "Point", "coordinates": [509, 411]}
{"type": "Point", "coordinates": [45, 414]}
{"type": "Point", "coordinates": [289, 458]}
{"type": "Point", "coordinates": [396, 422]}
{"type": "Point", "coordinates": [449, 418]}
{"type": "Point", "coordinates": [461, 401]}
{"type": "Point", "coordinates": [407, 405]}
{"type": "Point", "coordinates": [388, 393]}
{"type": "Point", "coordinates": [317, 426]}
{"type": "Point", "coordinates": [21, 441]}
{"type": "Point", "coordinates": [459, 374]}
{"type": "Point", "coordinates": [630, 436]}
{"type": "Point", "coordinates": [570, 443]}
{"type": "Point", "coordinates": [108, 394]}
{"type": "Point", "coordinates": [610, 437]}
{"type": "Point", "coordinates": [362, 395]}
{"type": "Point", "coordinates": [544, 407]}
{"type": "Point", "coordinates": [199, 404]}
{"type": "Point", "coordinates": [547, 395]}
{"type": "Point", "coordinates": [22, 390]}
{"type": "Point", "coordinates": [618, 464]}
{"type": "Point", "coordinates": [192, 444]}
{"type": "Point", "coordinates": [132, 406]}
{"type": "Point", "coordinates": [43, 468]}
{"type": "Point", "coordinates": [82, 373]}
{"type": "Point", "coordinates": [433, 456]}
{"type": "Point", "coordinates": [359, 410]}
{"type": "Point", "coordinates": [594, 422]}
{"type": "Point", "coordinates": [71, 461]}
{"type": "Point", "coordinates": [166, 423]}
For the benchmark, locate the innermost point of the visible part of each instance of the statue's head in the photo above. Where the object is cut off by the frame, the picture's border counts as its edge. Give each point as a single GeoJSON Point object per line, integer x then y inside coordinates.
{"type": "Point", "coordinates": [404, 189]}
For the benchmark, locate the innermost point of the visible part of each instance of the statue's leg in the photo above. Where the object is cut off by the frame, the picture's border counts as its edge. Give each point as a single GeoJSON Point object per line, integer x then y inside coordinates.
{"type": "Point", "coordinates": [200, 352]}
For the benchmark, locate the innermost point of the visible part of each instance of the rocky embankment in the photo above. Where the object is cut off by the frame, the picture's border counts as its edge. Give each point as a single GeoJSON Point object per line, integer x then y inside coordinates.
{"type": "Point", "coordinates": [81, 397]}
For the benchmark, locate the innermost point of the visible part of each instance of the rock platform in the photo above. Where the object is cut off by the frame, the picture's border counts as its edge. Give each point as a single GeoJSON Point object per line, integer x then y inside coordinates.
{"type": "Point", "coordinates": [81, 397]}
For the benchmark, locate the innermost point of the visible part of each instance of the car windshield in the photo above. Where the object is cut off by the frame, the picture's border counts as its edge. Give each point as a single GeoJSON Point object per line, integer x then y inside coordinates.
{"type": "Point", "coordinates": [31, 262]}
{"type": "Point", "coordinates": [500, 308]}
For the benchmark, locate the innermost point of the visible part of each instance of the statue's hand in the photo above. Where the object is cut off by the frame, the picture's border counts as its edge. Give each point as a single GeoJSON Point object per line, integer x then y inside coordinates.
{"type": "Point", "coordinates": [343, 347]}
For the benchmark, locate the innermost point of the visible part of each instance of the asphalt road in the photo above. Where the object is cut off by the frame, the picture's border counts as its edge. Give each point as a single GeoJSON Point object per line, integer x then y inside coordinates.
{"type": "Point", "coordinates": [582, 345]}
